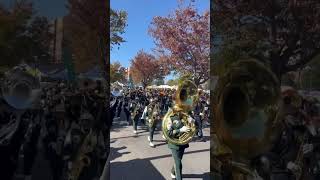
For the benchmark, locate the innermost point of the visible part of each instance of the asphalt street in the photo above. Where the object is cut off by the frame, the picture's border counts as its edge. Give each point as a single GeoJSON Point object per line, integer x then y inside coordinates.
{"type": "Point", "coordinates": [133, 159]}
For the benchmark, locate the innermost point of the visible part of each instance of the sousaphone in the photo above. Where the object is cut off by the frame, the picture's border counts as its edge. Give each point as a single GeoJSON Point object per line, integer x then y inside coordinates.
{"type": "Point", "coordinates": [245, 108]}
{"type": "Point", "coordinates": [20, 88]}
{"type": "Point", "coordinates": [186, 96]}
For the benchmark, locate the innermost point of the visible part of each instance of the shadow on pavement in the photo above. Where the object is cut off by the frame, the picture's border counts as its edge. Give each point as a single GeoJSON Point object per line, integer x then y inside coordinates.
{"type": "Point", "coordinates": [114, 152]}
{"type": "Point", "coordinates": [159, 140]}
{"type": "Point", "coordinates": [134, 136]}
{"type": "Point", "coordinates": [205, 176]}
{"type": "Point", "coordinates": [161, 144]}
{"type": "Point", "coordinates": [144, 130]}
{"type": "Point", "coordinates": [144, 169]}
{"type": "Point", "coordinates": [135, 169]}
{"type": "Point", "coordinates": [169, 155]}
{"type": "Point", "coordinates": [204, 139]}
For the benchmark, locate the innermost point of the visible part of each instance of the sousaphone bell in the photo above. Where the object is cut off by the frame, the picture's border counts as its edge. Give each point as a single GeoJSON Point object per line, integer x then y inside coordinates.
{"type": "Point", "coordinates": [20, 88]}
{"type": "Point", "coordinates": [186, 96]}
{"type": "Point", "coordinates": [245, 108]}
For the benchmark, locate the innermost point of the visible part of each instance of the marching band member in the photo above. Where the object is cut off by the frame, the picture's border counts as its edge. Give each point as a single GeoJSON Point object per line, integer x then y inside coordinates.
{"type": "Point", "coordinates": [135, 115]}
{"type": "Point", "coordinates": [179, 127]}
{"type": "Point", "coordinates": [153, 119]}
{"type": "Point", "coordinates": [175, 127]}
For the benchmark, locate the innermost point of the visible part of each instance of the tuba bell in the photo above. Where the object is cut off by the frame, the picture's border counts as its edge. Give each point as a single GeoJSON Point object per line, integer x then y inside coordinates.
{"type": "Point", "coordinates": [186, 96]}
{"type": "Point", "coordinates": [117, 90]}
{"type": "Point", "coordinates": [246, 105]}
{"type": "Point", "coordinates": [20, 88]}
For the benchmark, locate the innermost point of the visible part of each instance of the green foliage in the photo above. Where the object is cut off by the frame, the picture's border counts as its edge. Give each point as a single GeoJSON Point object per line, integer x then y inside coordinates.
{"type": "Point", "coordinates": [118, 22]}
{"type": "Point", "coordinates": [117, 72]}
{"type": "Point", "coordinates": [172, 82]}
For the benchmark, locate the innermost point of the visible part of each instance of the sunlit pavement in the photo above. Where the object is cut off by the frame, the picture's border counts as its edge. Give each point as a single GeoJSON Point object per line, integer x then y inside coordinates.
{"type": "Point", "coordinates": [133, 159]}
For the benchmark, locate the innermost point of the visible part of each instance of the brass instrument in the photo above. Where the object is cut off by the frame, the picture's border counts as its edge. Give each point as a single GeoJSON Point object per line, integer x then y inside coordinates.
{"type": "Point", "coordinates": [245, 107]}
{"type": "Point", "coordinates": [82, 160]}
{"type": "Point", "coordinates": [117, 90]}
{"type": "Point", "coordinates": [153, 115]}
{"type": "Point", "coordinates": [20, 88]}
{"type": "Point", "coordinates": [299, 159]}
{"type": "Point", "coordinates": [134, 113]}
{"type": "Point", "coordinates": [186, 96]}
{"type": "Point", "coordinates": [89, 144]}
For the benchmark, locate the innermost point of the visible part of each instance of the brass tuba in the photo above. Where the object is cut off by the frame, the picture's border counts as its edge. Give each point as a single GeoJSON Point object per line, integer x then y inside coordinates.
{"type": "Point", "coordinates": [20, 88]}
{"type": "Point", "coordinates": [82, 160]}
{"type": "Point", "coordinates": [186, 96]}
{"type": "Point", "coordinates": [245, 108]}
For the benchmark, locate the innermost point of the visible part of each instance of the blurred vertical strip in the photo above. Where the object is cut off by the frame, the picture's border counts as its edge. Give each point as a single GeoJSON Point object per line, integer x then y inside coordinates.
{"type": "Point", "coordinates": [107, 166]}
{"type": "Point", "coordinates": [105, 49]}
{"type": "Point", "coordinates": [211, 91]}
{"type": "Point", "coordinates": [214, 44]}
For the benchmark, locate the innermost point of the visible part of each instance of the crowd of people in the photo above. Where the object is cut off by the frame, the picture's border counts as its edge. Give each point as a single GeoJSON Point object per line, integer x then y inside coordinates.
{"type": "Point", "coordinates": [147, 107]}
{"type": "Point", "coordinates": [68, 127]}
{"type": "Point", "coordinates": [295, 152]}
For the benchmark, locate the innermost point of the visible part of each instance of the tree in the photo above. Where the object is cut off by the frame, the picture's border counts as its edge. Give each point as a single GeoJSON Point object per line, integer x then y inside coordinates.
{"type": "Point", "coordinates": [23, 35]}
{"type": "Point", "coordinates": [284, 34]}
{"type": "Point", "coordinates": [87, 23]}
{"type": "Point", "coordinates": [172, 82]}
{"type": "Point", "coordinates": [145, 68]}
{"type": "Point", "coordinates": [159, 81]}
{"type": "Point", "coordinates": [39, 33]}
{"type": "Point", "coordinates": [118, 20]}
{"type": "Point", "coordinates": [83, 43]}
{"type": "Point", "coordinates": [183, 41]}
{"type": "Point", "coordinates": [117, 72]}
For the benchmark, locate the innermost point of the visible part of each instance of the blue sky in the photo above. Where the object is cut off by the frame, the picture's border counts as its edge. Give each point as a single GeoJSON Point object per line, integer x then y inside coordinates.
{"type": "Point", "coordinates": [50, 8]}
{"type": "Point", "coordinates": [140, 14]}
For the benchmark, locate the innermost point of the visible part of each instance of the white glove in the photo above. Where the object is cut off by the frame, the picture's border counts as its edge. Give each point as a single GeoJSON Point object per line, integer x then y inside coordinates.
{"type": "Point", "coordinates": [191, 120]}
{"type": "Point", "coordinates": [292, 167]}
{"type": "Point", "coordinates": [307, 148]}
{"type": "Point", "coordinates": [184, 129]}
